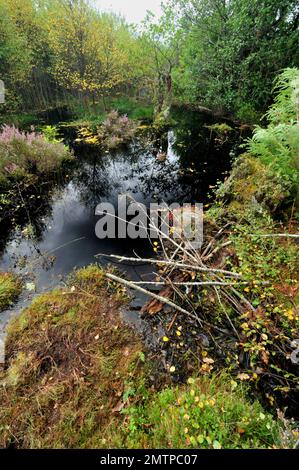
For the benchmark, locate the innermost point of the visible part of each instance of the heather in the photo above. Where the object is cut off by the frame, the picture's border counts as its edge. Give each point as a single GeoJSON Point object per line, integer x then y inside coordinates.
{"type": "Point", "coordinates": [114, 132]}
{"type": "Point", "coordinates": [27, 153]}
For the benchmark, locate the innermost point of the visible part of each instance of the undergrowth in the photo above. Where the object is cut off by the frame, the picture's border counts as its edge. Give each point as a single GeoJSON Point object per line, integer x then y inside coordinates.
{"type": "Point", "coordinates": [10, 289]}
{"type": "Point", "coordinates": [277, 146]}
{"type": "Point", "coordinates": [26, 153]}
{"type": "Point", "coordinates": [76, 376]}
{"type": "Point", "coordinates": [208, 412]}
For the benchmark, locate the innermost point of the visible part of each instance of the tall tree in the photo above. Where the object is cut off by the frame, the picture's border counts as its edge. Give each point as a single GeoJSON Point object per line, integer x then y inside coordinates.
{"type": "Point", "coordinates": [161, 43]}
{"type": "Point", "coordinates": [87, 56]}
{"type": "Point", "coordinates": [15, 59]}
{"type": "Point", "coordinates": [233, 50]}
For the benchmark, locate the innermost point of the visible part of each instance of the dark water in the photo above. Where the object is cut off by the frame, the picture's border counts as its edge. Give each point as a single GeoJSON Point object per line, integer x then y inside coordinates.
{"type": "Point", "coordinates": [66, 230]}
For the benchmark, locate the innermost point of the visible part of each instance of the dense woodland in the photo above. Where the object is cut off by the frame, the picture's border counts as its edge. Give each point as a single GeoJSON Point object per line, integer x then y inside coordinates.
{"type": "Point", "coordinates": [219, 54]}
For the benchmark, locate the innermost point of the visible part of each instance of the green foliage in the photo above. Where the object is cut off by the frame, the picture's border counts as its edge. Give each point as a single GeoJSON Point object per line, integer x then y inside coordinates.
{"type": "Point", "coordinates": [30, 58]}
{"type": "Point", "coordinates": [138, 111]}
{"type": "Point", "coordinates": [20, 120]}
{"type": "Point", "coordinates": [87, 55]}
{"type": "Point", "coordinates": [93, 117]}
{"type": "Point", "coordinates": [285, 109]}
{"type": "Point", "coordinates": [51, 134]}
{"type": "Point", "coordinates": [233, 50]}
{"type": "Point", "coordinates": [278, 145]}
{"type": "Point", "coordinates": [15, 59]}
{"type": "Point", "coordinates": [160, 46]}
{"type": "Point", "coordinates": [10, 288]}
{"type": "Point", "coordinates": [208, 413]}
{"type": "Point", "coordinates": [224, 55]}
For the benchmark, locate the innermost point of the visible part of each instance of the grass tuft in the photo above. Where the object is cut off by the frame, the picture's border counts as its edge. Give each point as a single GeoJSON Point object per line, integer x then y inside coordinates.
{"type": "Point", "coordinates": [10, 289]}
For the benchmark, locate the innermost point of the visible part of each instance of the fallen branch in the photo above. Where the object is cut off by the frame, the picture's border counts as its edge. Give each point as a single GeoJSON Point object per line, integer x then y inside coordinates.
{"type": "Point", "coordinates": [161, 299]}
{"type": "Point", "coordinates": [197, 283]}
{"type": "Point", "coordinates": [273, 235]}
{"type": "Point", "coordinates": [175, 264]}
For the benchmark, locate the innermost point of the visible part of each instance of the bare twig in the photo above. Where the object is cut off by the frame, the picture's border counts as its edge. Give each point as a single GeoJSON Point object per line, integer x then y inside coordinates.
{"type": "Point", "coordinates": [184, 266]}
{"type": "Point", "coordinates": [274, 235]}
{"type": "Point", "coordinates": [164, 300]}
{"type": "Point", "coordinates": [195, 283]}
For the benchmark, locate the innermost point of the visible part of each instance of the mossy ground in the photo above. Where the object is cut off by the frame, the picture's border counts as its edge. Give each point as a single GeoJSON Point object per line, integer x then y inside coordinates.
{"type": "Point", "coordinates": [257, 204]}
{"type": "Point", "coordinates": [10, 288]}
{"type": "Point", "coordinates": [69, 362]}
{"type": "Point", "coordinates": [76, 376]}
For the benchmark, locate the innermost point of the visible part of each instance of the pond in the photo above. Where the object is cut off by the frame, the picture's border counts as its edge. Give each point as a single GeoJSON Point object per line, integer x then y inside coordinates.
{"type": "Point", "coordinates": [63, 236]}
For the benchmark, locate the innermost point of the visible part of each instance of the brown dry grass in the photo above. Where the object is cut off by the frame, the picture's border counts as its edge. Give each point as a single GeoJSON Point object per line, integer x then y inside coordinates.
{"type": "Point", "coordinates": [69, 359]}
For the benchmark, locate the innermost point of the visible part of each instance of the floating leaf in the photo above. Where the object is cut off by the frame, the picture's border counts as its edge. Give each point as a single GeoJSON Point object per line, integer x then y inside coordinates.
{"type": "Point", "coordinates": [30, 286]}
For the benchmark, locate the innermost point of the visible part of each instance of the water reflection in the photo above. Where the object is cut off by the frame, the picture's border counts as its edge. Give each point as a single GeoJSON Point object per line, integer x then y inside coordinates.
{"type": "Point", "coordinates": [64, 226]}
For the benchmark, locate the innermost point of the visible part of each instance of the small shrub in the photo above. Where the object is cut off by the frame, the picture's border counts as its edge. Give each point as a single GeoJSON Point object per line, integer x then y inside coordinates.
{"type": "Point", "coordinates": [10, 288]}
{"type": "Point", "coordinates": [278, 145]}
{"type": "Point", "coordinates": [51, 134]}
{"type": "Point", "coordinates": [24, 153]}
{"type": "Point", "coordinates": [207, 413]}
{"type": "Point", "coordinates": [116, 130]}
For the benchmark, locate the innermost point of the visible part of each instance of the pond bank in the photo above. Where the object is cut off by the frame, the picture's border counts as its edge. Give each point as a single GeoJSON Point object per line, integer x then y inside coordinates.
{"type": "Point", "coordinates": [77, 377]}
{"type": "Point", "coordinates": [247, 332]}
{"type": "Point", "coordinates": [29, 163]}
{"type": "Point", "coordinates": [60, 235]}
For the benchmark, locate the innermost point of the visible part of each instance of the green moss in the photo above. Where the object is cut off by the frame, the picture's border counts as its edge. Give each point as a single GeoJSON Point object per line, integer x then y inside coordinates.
{"type": "Point", "coordinates": [72, 352]}
{"type": "Point", "coordinates": [208, 412]}
{"type": "Point", "coordinates": [253, 183]}
{"type": "Point", "coordinates": [76, 376]}
{"type": "Point", "coordinates": [221, 128]}
{"type": "Point", "coordinates": [10, 289]}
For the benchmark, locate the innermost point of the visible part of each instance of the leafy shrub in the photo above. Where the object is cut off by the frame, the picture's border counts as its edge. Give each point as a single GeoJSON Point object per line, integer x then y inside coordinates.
{"type": "Point", "coordinates": [278, 144]}
{"type": "Point", "coordinates": [10, 288]}
{"type": "Point", "coordinates": [209, 412]}
{"type": "Point", "coordinates": [51, 134]}
{"type": "Point", "coordinates": [116, 130]}
{"type": "Point", "coordinates": [23, 153]}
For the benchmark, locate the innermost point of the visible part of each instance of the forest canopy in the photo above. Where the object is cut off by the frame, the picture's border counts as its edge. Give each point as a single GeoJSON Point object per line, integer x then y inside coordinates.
{"type": "Point", "coordinates": [223, 54]}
